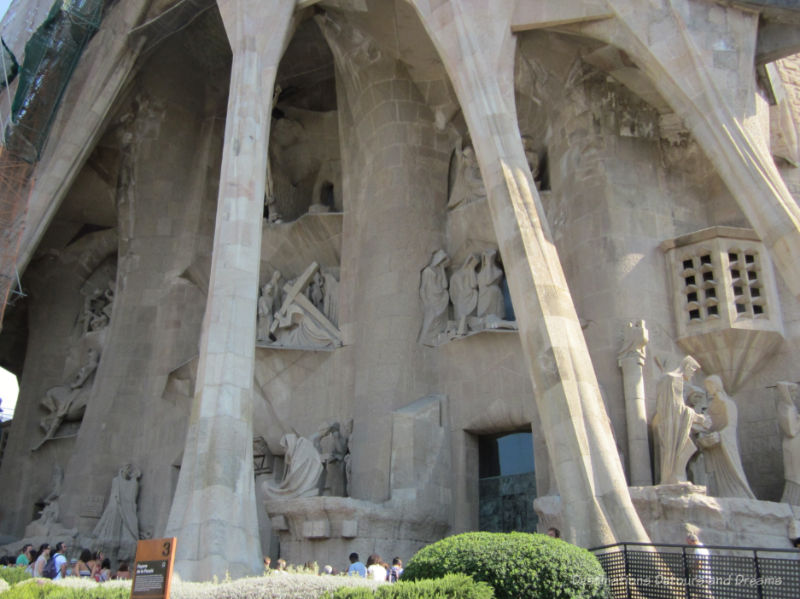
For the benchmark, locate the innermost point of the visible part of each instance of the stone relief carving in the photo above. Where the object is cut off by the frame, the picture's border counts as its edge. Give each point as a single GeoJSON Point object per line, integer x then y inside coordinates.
{"type": "Point", "coordinates": [67, 402]}
{"type": "Point", "coordinates": [720, 446]}
{"type": "Point", "coordinates": [789, 422]}
{"type": "Point", "coordinates": [117, 531]}
{"type": "Point", "coordinates": [467, 183]}
{"type": "Point", "coordinates": [97, 308]}
{"type": "Point", "coordinates": [303, 318]}
{"type": "Point", "coordinates": [47, 524]}
{"type": "Point", "coordinates": [476, 295]}
{"type": "Point", "coordinates": [673, 422]}
{"type": "Point", "coordinates": [302, 470]}
{"type": "Point", "coordinates": [631, 359]}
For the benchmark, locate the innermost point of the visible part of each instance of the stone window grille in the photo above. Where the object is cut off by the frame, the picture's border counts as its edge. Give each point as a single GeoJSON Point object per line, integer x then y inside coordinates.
{"type": "Point", "coordinates": [721, 277]}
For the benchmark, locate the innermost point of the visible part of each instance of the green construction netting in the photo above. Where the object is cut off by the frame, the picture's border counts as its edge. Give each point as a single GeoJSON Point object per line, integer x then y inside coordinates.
{"type": "Point", "coordinates": [8, 67]}
{"type": "Point", "coordinates": [51, 56]}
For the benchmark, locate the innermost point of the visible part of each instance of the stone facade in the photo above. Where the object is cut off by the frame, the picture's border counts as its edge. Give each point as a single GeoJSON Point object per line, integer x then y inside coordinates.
{"type": "Point", "coordinates": [239, 214]}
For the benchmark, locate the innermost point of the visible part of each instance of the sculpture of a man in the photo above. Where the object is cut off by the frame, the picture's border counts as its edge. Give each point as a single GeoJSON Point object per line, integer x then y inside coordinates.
{"type": "Point", "coordinates": [117, 531]}
{"type": "Point", "coordinates": [720, 446]}
{"type": "Point", "coordinates": [435, 298]}
{"type": "Point", "coordinates": [266, 306]}
{"type": "Point", "coordinates": [490, 296]}
{"type": "Point", "coordinates": [672, 423]}
{"type": "Point", "coordinates": [464, 292]}
{"type": "Point", "coordinates": [789, 422]}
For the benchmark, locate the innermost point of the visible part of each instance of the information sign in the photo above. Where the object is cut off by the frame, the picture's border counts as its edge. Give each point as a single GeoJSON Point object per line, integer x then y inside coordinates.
{"type": "Point", "coordinates": [152, 569]}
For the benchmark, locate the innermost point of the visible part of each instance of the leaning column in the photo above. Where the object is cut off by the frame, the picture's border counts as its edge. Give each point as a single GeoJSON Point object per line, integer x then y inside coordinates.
{"type": "Point", "coordinates": [475, 43]}
{"type": "Point", "coordinates": [213, 513]}
{"type": "Point", "coordinates": [631, 360]}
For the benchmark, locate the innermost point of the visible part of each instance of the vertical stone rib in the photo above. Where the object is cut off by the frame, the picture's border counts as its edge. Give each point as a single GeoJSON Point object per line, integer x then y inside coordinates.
{"type": "Point", "coordinates": [213, 513]}
{"type": "Point", "coordinates": [597, 508]}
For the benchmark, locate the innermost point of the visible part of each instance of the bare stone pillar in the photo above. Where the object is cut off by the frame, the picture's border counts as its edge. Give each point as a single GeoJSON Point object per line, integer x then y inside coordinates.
{"type": "Point", "coordinates": [213, 513]}
{"type": "Point", "coordinates": [631, 360]}
{"type": "Point", "coordinates": [475, 43]}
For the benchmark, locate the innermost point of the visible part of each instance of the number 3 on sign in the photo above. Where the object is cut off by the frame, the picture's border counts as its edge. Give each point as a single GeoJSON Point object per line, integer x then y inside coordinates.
{"type": "Point", "coordinates": [165, 548]}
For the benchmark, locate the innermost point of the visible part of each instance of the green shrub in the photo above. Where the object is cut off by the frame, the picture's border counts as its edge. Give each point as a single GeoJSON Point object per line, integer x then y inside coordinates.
{"type": "Point", "coordinates": [452, 586]}
{"type": "Point", "coordinates": [13, 574]}
{"type": "Point", "coordinates": [68, 589]}
{"type": "Point", "coordinates": [515, 565]}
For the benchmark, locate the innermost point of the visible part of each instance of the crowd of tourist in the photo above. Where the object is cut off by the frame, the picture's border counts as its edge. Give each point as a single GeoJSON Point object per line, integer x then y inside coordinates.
{"type": "Point", "coordinates": [46, 562]}
{"type": "Point", "coordinates": [376, 568]}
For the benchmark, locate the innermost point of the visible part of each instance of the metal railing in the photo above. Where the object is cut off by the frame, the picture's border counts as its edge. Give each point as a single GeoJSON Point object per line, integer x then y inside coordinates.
{"type": "Point", "coordinates": [663, 571]}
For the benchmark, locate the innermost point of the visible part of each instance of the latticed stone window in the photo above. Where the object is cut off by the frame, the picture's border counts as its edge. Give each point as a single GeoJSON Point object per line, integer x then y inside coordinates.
{"type": "Point", "coordinates": [725, 299]}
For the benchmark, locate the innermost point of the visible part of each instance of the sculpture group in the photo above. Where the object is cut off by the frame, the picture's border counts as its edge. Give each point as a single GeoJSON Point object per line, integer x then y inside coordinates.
{"type": "Point", "coordinates": [300, 314]}
{"type": "Point", "coordinates": [475, 292]}
{"type": "Point", "coordinates": [319, 465]}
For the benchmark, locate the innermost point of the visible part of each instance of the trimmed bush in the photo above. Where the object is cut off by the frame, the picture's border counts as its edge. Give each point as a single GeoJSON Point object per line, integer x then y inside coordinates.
{"type": "Point", "coordinates": [13, 574]}
{"type": "Point", "coordinates": [452, 586]}
{"type": "Point", "coordinates": [514, 564]}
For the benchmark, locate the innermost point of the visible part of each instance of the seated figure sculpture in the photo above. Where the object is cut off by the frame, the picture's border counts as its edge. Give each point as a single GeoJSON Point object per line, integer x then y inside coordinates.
{"type": "Point", "coordinates": [720, 446]}
{"type": "Point", "coordinates": [673, 422]}
{"type": "Point", "coordinates": [302, 470]}
{"type": "Point", "coordinates": [789, 422]}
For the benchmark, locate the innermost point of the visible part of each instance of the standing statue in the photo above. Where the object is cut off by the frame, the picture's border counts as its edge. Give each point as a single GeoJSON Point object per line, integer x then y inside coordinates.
{"type": "Point", "coordinates": [67, 403]}
{"type": "Point", "coordinates": [490, 297]}
{"type": "Point", "coordinates": [464, 292]}
{"type": "Point", "coordinates": [302, 469]}
{"type": "Point", "coordinates": [330, 303]}
{"type": "Point", "coordinates": [435, 298]}
{"type": "Point", "coordinates": [468, 184]}
{"type": "Point", "coordinates": [789, 422]}
{"type": "Point", "coordinates": [672, 423]}
{"type": "Point", "coordinates": [332, 447]}
{"type": "Point", "coordinates": [117, 531]}
{"type": "Point", "coordinates": [720, 446]}
{"type": "Point", "coordinates": [266, 306]}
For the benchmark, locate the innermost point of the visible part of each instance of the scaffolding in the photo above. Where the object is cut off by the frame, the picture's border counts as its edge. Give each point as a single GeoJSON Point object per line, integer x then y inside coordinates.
{"type": "Point", "coordinates": [51, 56]}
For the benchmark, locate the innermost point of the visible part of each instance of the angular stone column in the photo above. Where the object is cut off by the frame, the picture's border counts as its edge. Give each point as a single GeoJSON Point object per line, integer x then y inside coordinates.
{"type": "Point", "coordinates": [475, 42]}
{"type": "Point", "coordinates": [631, 361]}
{"type": "Point", "coordinates": [214, 510]}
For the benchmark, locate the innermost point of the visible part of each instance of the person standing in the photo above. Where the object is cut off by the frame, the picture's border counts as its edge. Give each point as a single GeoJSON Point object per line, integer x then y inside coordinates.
{"type": "Point", "coordinates": [41, 560]}
{"type": "Point", "coordinates": [24, 557]}
{"type": "Point", "coordinates": [699, 567]}
{"type": "Point", "coordinates": [60, 561]}
{"type": "Point", "coordinates": [356, 567]}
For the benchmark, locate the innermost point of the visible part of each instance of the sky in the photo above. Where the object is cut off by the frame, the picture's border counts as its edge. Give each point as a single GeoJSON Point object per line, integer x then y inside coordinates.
{"type": "Point", "coordinates": [8, 382]}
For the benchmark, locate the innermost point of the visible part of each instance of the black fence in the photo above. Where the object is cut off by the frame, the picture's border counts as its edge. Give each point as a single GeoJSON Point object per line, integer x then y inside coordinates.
{"type": "Point", "coordinates": [640, 570]}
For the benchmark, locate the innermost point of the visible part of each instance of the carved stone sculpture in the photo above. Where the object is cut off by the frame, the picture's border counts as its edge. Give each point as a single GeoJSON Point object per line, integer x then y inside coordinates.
{"type": "Point", "coordinates": [464, 292]}
{"type": "Point", "coordinates": [789, 422]}
{"type": "Point", "coordinates": [720, 446]}
{"type": "Point", "coordinates": [435, 298]}
{"type": "Point", "coordinates": [332, 447]}
{"type": "Point", "coordinates": [302, 470]}
{"type": "Point", "coordinates": [117, 531]}
{"type": "Point", "coordinates": [299, 323]}
{"type": "Point", "coordinates": [468, 183]}
{"type": "Point", "coordinates": [330, 303]}
{"type": "Point", "coordinates": [672, 423]}
{"type": "Point", "coordinates": [67, 403]}
{"type": "Point", "coordinates": [266, 306]}
{"type": "Point", "coordinates": [491, 305]}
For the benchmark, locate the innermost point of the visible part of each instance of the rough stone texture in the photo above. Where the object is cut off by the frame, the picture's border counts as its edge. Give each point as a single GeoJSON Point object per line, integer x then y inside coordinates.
{"type": "Point", "coordinates": [639, 119]}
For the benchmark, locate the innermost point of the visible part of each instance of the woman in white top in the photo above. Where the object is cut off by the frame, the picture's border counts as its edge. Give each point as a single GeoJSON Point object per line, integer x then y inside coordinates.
{"type": "Point", "coordinates": [38, 565]}
{"type": "Point", "coordinates": [375, 571]}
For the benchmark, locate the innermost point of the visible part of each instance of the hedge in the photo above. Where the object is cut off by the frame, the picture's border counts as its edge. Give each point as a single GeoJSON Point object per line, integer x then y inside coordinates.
{"type": "Point", "coordinates": [515, 565]}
